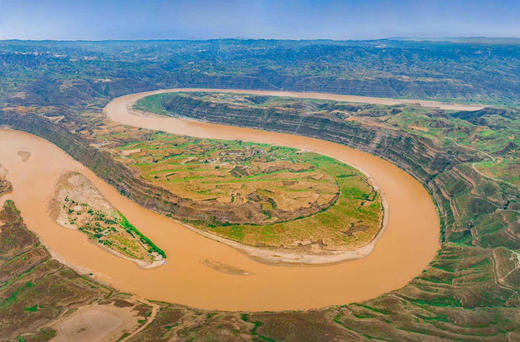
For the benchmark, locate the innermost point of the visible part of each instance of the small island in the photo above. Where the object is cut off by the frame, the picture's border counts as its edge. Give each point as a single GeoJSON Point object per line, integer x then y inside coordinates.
{"type": "Point", "coordinates": [79, 205]}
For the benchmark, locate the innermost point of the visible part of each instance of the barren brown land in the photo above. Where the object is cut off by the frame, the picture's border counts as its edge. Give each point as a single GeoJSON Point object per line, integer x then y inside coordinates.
{"type": "Point", "coordinates": [406, 247]}
{"type": "Point", "coordinates": [95, 323]}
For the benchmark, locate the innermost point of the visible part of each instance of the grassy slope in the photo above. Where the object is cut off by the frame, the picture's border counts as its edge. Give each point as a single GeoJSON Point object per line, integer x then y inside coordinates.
{"type": "Point", "coordinates": [151, 104]}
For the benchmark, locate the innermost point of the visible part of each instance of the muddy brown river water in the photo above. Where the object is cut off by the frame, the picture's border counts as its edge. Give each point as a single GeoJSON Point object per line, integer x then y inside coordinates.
{"type": "Point", "coordinates": [403, 251]}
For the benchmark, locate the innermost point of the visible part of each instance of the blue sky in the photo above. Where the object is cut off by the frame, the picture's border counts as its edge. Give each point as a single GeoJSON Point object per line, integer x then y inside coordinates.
{"type": "Point", "coordinates": [305, 19]}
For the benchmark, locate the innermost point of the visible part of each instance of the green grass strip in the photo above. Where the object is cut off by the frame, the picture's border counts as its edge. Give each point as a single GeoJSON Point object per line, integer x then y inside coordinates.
{"type": "Point", "coordinates": [128, 226]}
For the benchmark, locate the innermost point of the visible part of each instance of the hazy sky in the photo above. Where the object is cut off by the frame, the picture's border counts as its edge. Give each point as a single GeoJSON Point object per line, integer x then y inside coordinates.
{"type": "Point", "coordinates": [306, 19]}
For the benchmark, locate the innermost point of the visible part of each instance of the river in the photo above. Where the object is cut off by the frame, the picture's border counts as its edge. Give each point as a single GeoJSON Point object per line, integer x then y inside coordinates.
{"type": "Point", "coordinates": [408, 244]}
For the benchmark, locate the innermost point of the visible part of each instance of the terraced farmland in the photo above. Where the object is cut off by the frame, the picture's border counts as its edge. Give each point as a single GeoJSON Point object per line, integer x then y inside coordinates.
{"type": "Point", "coordinates": [274, 196]}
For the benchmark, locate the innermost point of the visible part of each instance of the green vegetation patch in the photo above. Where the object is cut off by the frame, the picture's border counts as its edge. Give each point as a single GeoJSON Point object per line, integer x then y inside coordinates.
{"type": "Point", "coordinates": [153, 247]}
{"type": "Point", "coordinates": [151, 104]}
{"type": "Point", "coordinates": [111, 231]}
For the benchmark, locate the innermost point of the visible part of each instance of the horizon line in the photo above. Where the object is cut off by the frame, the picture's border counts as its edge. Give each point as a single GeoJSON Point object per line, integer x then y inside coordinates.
{"type": "Point", "coordinates": [413, 38]}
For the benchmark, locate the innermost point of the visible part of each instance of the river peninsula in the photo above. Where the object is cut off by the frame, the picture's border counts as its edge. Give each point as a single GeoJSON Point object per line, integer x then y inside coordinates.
{"type": "Point", "coordinates": [205, 273]}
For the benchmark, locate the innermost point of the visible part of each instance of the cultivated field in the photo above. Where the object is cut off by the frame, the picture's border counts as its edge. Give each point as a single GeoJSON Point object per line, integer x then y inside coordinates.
{"type": "Point", "coordinates": [293, 198]}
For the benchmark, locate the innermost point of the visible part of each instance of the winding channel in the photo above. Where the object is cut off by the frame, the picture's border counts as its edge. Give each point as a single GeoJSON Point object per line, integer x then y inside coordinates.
{"type": "Point", "coordinates": [408, 244]}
